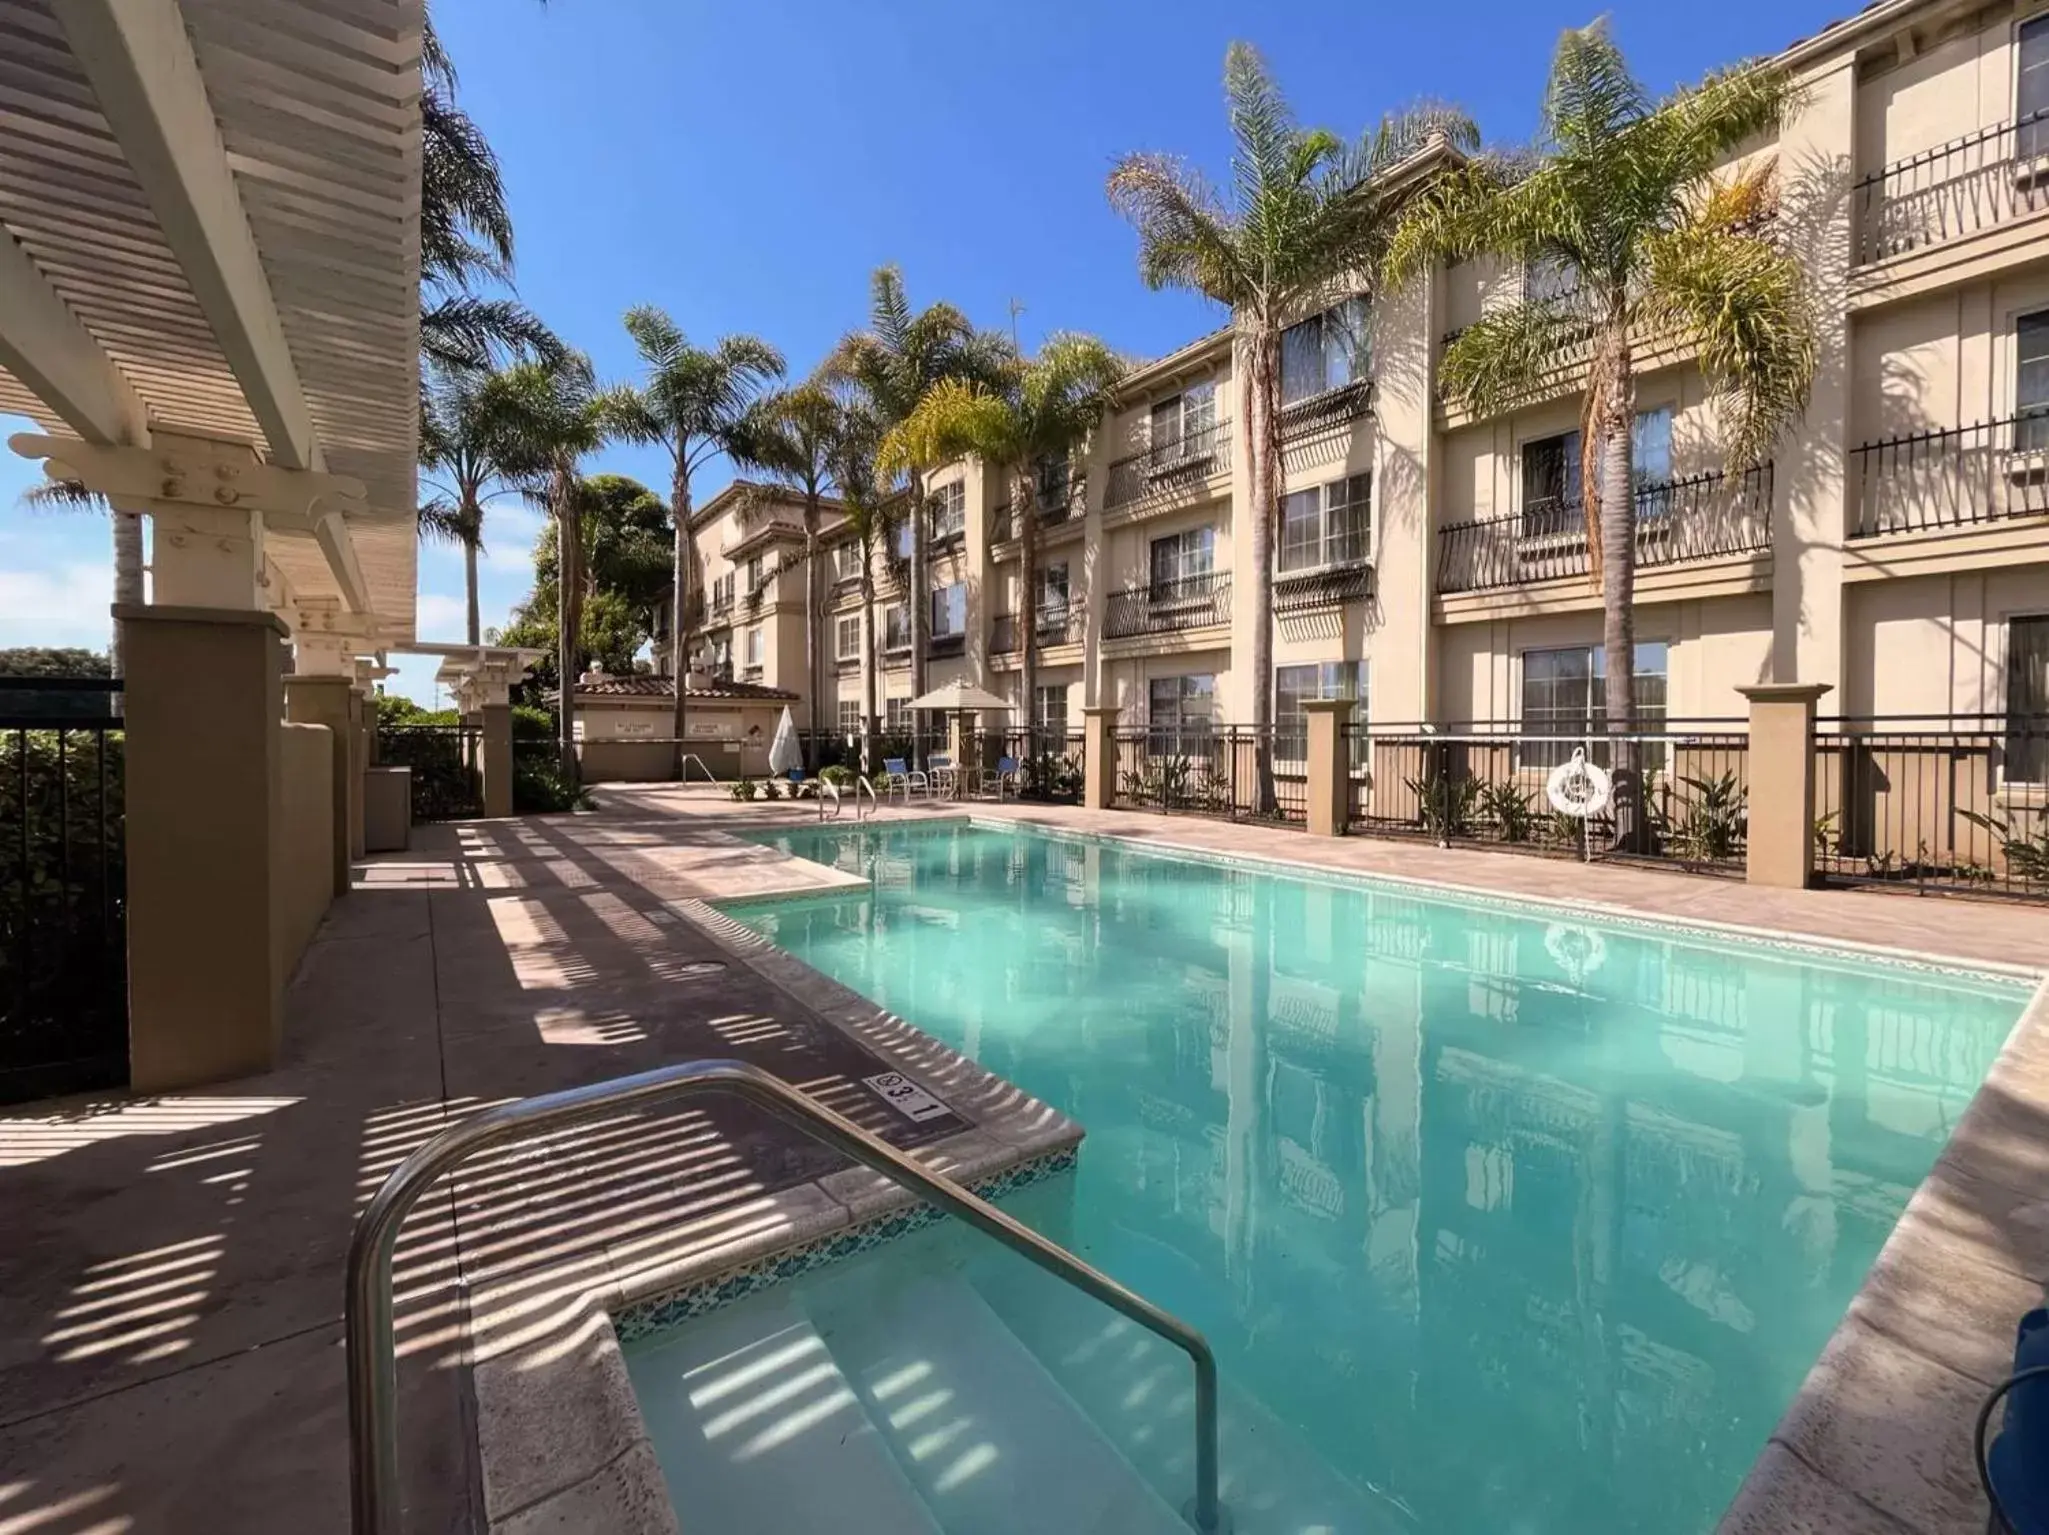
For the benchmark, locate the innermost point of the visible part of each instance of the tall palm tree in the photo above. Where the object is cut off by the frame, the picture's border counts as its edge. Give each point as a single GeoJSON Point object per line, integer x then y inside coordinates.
{"type": "Point", "coordinates": [791, 436]}
{"type": "Point", "coordinates": [461, 450]}
{"type": "Point", "coordinates": [894, 362]}
{"type": "Point", "coordinates": [693, 403]}
{"type": "Point", "coordinates": [871, 504]}
{"type": "Point", "coordinates": [1621, 198]}
{"type": "Point", "coordinates": [1042, 410]}
{"type": "Point", "coordinates": [72, 495]}
{"type": "Point", "coordinates": [551, 416]}
{"type": "Point", "coordinates": [1306, 211]}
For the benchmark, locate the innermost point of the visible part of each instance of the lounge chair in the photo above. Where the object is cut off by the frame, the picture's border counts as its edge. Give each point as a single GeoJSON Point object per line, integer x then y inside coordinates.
{"type": "Point", "coordinates": [897, 775]}
{"type": "Point", "coordinates": [945, 777]}
{"type": "Point", "coordinates": [1006, 773]}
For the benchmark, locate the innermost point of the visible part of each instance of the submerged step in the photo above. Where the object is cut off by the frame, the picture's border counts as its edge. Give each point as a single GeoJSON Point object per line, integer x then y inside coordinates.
{"type": "Point", "coordinates": [757, 1430]}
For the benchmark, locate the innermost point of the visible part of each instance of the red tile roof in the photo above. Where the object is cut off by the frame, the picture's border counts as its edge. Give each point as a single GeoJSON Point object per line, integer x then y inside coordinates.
{"type": "Point", "coordinates": [661, 687]}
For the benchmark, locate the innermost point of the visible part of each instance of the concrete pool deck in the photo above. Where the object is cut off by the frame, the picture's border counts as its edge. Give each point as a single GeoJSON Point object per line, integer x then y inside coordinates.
{"type": "Point", "coordinates": [170, 1286]}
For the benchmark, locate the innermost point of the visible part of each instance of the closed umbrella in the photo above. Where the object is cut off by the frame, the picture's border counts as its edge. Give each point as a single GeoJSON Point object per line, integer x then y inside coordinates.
{"type": "Point", "coordinates": [784, 754]}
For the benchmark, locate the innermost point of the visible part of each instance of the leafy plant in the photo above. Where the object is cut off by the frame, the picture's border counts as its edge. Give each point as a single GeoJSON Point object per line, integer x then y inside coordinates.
{"type": "Point", "coordinates": [742, 789]}
{"type": "Point", "coordinates": [1163, 781]}
{"type": "Point", "coordinates": [1446, 805]}
{"type": "Point", "coordinates": [538, 787]}
{"type": "Point", "coordinates": [2026, 853]}
{"type": "Point", "coordinates": [1828, 834]}
{"type": "Point", "coordinates": [1714, 821]}
{"type": "Point", "coordinates": [838, 775]}
{"type": "Point", "coordinates": [1509, 810]}
{"type": "Point", "coordinates": [1050, 776]}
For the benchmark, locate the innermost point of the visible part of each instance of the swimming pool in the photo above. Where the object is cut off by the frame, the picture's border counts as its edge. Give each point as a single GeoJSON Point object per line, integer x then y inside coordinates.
{"type": "Point", "coordinates": [1513, 1223]}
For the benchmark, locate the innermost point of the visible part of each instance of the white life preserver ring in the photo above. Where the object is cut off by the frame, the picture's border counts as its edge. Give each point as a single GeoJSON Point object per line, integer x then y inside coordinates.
{"type": "Point", "coordinates": [1578, 951]}
{"type": "Point", "coordinates": [1578, 787]}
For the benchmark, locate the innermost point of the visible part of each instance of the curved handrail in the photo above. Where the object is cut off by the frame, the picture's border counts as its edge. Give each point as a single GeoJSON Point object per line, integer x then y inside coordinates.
{"type": "Point", "coordinates": [827, 786]}
{"type": "Point", "coordinates": [861, 782]}
{"type": "Point", "coordinates": [683, 768]}
{"type": "Point", "coordinates": [373, 1363]}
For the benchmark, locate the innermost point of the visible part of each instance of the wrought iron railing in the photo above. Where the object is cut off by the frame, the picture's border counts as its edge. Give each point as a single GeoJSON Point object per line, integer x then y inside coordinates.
{"type": "Point", "coordinates": [63, 888]}
{"type": "Point", "coordinates": [1233, 772]}
{"type": "Point", "coordinates": [1923, 482]}
{"type": "Point", "coordinates": [1972, 183]}
{"type": "Point", "coordinates": [444, 763]}
{"type": "Point", "coordinates": [1705, 516]}
{"type": "Point", "coordinates": [1054, 509]}
{"type": "Point", "coordinates": [946, 644]}
{"type": "Point", "coordinates": [1189, 458]}
{"type": "Point", "coordinates": [1056, 626]}
{"type": "Point", "coordinates": [1191, 602]}
{"type": "Point", "coordinates": [1330, 408]}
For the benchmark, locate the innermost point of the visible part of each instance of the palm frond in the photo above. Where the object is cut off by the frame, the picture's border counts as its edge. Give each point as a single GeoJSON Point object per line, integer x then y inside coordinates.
{"type": "Point", "coordinates": [465, 222]}
{"type": "Point", "coordinates": [464, 332]}
{"type": "Point", "coordinates": [1185, 237]}
{"type": "Point", "coordinates": [442, 522]}
{"type": "Point", "coordinates": [1591, 96]}
{"type": "Point", "coordinates": [1698, 128]}
{"type": "Point", "coordinates": [1499, 358]}
{"type": "Point", "coordinates": [63, 496]}
{"type": "Point", "coordinates": [1268, 150]}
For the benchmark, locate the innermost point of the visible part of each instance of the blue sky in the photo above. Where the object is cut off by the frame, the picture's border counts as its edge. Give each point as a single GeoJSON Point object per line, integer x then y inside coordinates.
{"type": "Point", "coordinates": [745, 166]}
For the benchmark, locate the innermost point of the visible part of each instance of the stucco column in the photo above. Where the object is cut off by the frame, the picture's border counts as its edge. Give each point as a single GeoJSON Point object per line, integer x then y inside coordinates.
{"type": "Point", "coordinates": [494, 739]}
{"type": "Point", "coordinates": [362, 753]}
{"type": "Point", "coordinates": [1330, 780]}
{"type": "Point", "coordinates": [1780, 849]}
{"type": "Point", "coordinates": [331, 701]}
{"type": "Point", "coordinates": [203, 798]}
{"type": "Point", "coordinates": [1099, 755]}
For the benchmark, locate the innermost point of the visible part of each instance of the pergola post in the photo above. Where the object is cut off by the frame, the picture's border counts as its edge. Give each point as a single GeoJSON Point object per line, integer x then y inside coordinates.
{"type": "Point", "coordinates": [322, 691]}
{"type": "Point", "coordinates": [1330, 779]}
{"type": "Point", "coordinates": [1099, 755]}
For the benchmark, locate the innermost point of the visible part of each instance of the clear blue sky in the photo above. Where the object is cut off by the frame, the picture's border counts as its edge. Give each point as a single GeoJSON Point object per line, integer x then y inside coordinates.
{"type": "Point", "coordinates": [746, 165]}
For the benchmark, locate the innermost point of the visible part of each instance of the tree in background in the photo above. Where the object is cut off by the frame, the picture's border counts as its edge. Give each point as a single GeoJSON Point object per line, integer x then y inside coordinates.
{"type": "Point", "coordinates": [1307, 212]}
{"type": "Point", "coordinates": [626, 580]}
{"type": "Point", "coordinates": [1620, 202]}
{"type": "Point", "coordinates": [552, 416]}
{"type": "Point", "coordinates": [460, 447]}
{"type": "Point", "coordinates": [54, 661]}
{"type": "Point", "coordinates": [1040, 412]}
{"type": "Point", "coordinates": [894, 362]}
{"type": "Point", "coordinates": [693, 404]}
{"type": "Point", "coordinates": [868, 499]}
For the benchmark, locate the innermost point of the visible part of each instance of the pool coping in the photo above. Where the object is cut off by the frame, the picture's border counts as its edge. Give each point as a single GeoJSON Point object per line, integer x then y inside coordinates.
{"type": "Point", "coordinates": [561, 1443]}
{"type": "Point", "coordinates": [1920, 1320]}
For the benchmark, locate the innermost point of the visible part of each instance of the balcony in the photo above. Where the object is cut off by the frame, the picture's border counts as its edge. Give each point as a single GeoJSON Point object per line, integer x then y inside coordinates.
{"type": "Point", "coordinates": [1188, 459]}
{"type": "Point", "coordinates": [1956, 189]}
{"type": "Point", "coordinates": [1057, 626]}
{"type": "Point", "coordinates": [1968, 476]}
{"type": "Point", "coordinates": [1055, 510]}
{"type": "Point", "coordinates": [1328, 410]}
{"type": "Point", "coordinates": [940, 645]}
{"type": "Point", "coordinates": [1165, 607]}
{"type": "Point", "coordinates": [1707, 516]}
{"type": "Point", "coordinates": [719, 612]}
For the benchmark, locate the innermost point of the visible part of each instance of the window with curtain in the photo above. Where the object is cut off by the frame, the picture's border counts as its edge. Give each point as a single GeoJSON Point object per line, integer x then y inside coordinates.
{"type": "Point", "coordinates": [950, 610]}
{"type": "Point", "coordinates": [2031, 89]}
{"type": "Point", "coordinates": [2027, 700]}
{"type": "Point", "coordinates": [1325, 351]}
{"type": "Point", "coordinates": [1297, 685]}
{"type": "Point", "coordinates": [1565, 695]}
{"type": "Point", "coordinates": [1184, 421]}
{"type": "Point", "coordinates": [2031, 377]}
{"type": "Point", "coordinates": [847, 636]}
{"type": "Point", "coordinates": [896, 627]}
{"type": "Point", "coordinates": [1049, 709]}
{"type": "Point", "coordinates": [1179, 561]}
{"type": "Point", "coordinates": [1179, 712]}
{"type": "Point", "coordinates": [1326, 525]}
{"type": "Point", "coordinates": [949, 511]}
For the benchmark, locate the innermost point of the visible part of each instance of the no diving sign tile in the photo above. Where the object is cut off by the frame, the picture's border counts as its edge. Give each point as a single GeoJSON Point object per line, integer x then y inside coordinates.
{"type": "Point", "coordinates": [905, 1096]}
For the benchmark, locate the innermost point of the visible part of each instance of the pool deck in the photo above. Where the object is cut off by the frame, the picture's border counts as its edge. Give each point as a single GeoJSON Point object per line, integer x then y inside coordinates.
{"type": "Point", "coordinates": [170, 1280]}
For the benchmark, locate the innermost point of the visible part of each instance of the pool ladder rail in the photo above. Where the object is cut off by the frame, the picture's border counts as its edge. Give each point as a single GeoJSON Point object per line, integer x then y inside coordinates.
{"type": "Point", "coordinates": [373, 1361]}
{"type": "Point", "coordinates": [827, 789]}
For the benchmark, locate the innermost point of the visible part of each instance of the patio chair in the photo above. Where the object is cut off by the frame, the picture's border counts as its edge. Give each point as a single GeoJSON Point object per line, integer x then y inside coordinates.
{"type": "Point", "coordinates": [945, 776]}
{"type": "Point", "coordinates": [1006, 773]}
{"type": "Point", "coordinates": [898, 775]}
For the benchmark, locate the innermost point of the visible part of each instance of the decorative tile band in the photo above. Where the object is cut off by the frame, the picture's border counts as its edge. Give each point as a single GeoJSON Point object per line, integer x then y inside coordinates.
{"type": "Point", "coordinates": [645, 1317]}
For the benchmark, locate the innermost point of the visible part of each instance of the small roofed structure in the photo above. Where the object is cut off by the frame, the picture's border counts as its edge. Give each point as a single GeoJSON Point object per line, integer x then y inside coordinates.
{"type": "Point", "coordinates": [623, 727]}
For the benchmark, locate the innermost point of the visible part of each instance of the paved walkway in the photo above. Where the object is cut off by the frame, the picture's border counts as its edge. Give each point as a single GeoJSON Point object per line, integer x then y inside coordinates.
{"type": "Point", "coordinates": [170, 1274]}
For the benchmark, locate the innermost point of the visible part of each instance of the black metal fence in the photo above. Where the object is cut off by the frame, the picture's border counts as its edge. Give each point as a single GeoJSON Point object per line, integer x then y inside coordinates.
{"type": "Point", "coordinates": [1192, 456]}
{"type": "Point", "coordinates": [1703, 516]}
{"type": "Point", "coordinates": [445, 762]}
{"type": "Point", "coordinates": [1955, 804]}
{"type": "Point", "coordinates": [1056, 625]}
{"type": "Point", "coordinates": [1972, 183]}
{"type": "Point", "coordinates": [1233, 772]}
{"type": "Point", "coordinates": [1191, 602]}
{"type": "Point", "coordinates": [1048, 760]}
{"type": "Point", "coordinates": [63, 888]}
{"type": "Point", "coordinates": [1486, 782]}
{"type": "Point", "coordinates": [1927, 481]}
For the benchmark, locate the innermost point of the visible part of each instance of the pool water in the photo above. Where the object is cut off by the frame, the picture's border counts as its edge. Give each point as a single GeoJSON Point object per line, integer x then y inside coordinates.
{"type": "Point", "coordinates": [1515, 1222]}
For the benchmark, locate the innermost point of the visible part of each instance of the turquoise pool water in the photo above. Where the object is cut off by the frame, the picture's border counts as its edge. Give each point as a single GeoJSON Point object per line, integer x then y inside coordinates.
{"type": "Point", "coordinates": [1520, 1224]}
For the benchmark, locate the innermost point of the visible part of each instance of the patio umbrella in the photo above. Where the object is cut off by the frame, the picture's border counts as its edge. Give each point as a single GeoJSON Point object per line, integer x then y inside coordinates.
{"type": "Point", "coordinates": [960, 698]}
{"type": "Point", "coordinates": [784, 754]}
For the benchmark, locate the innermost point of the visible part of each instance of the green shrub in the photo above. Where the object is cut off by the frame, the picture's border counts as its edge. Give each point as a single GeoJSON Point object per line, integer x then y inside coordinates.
{"type": "Point", "coordinates": [1509, 810]}
{"type": "Point", "coordinates": [838, 775]}
{"type": "Point", "coordinates": [538, 787]}
{"type": "Point", "coordinates": [2027, 854]}
{"type": "Point", "coordinates": [742, 789]}
{"type": "Point", "coordinates": [1446, 805]}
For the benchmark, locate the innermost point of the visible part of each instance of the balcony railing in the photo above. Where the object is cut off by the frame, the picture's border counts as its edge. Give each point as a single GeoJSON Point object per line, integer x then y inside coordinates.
{"type": "Point", "coordinates": [1958, 188]}
{"type": "Point", "coordinates": [721, 609]}
{"type": "Point", "coordinates": [1192, 602]}
{"type": "Point", "coordinates": [1054, 508]}
{"type": "Point", "coordinates": [946, 644]}
{"type": "Point", "coordinates": [1331, 408]}
{"type": "Point", "coordinates": [1968, 475]}
{"type": "Point", "coordinates": [1703, 517]}
{"type": "Point", "coordinates": [1189, 458]}
{"type": "Point", "coordinates": [1057, 626]}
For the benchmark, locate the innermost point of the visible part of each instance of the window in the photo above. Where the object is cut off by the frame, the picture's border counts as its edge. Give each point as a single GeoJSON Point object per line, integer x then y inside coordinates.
{"type": "Point", "coordinates": [1550, 278]}
{"type": "Point", "coordinates": [2031, 89]}
{"type": "Point", "coordinates": [949, 511]}
{"type": "Point", "coordinates": [722, 656]}
{"type": "Point", "coordinates": [950, 611]}
{"type": "Point", "coordinates": [754, 575]}
{"type": "Point", "coordinates": [846, 634]}
{"type": "Point", "coordinates": [1050, 473]}
{"type": "Point", "coordinates": [1325, 351]}
{"type": "Point", "coordinates": [2027, 700]}
{"type": "Point", "coordinates": [1052, 600]}
{"type": "Point", "coordinates": [1178, 713]}
{"type": "Point", "coordinates": [722, 592]}
{"type": "Point", "coordinates": [1327, 524]}
{"type": "Point", "coordinates": [756, 646]}
{"type": "Point", "coordinates": [1049, 709]}
{"type": "Point", "coordinates": [896, 714]}
{"type": "Point", "coordinates": [1184, 423]}
{"type": "Point", "coordinates": [1297, 685]}
{"type": "Point", "coordinates": [846, 562]}
{"type": "Point", "coordinates": [848, 718]}
{"type": "Point", "coordinates": [1650, 461]}
{"type": "Point", "coordinates": [2031, 376]}
{"type": "Point", "coordinates": [1551, 476]}
{"type": "Point", "coordinates": [1565, 694]}
{"type": "Point", "coordinates": [1182, 562]}
{"type": "Point", "coordinates": [896, 626]}
{"type": "Point", "coordinates": [902, 537]}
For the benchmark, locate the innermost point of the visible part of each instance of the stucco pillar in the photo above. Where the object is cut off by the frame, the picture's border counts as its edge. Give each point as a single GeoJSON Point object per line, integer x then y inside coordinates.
{"type": "Point", "coordinates": [203, 799]}
{"type": "Point", "coordinates": [1099, 755]}
{"type": "Point", "coordinates": [1780, 849]}
{"type": "Point", "coordinates": [331, 701]}
{"type": "Point", "coordinates": [1330, 779]}
{"type": "Point", "coordinates": [494, 738]}
{"type": "Point", "coordinates": [362, 753]}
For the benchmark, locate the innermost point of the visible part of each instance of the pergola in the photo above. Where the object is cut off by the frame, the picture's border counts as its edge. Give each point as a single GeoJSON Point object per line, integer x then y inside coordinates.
{"type": "Point", "coordinates": [209, 303]}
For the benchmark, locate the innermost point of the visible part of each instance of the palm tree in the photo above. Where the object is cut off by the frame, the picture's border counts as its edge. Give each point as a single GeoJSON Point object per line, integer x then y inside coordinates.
{"type": "Point", "coordinates": [871, 503]}
{"type": "Point", "coordinates": [1620, 201]}
{"type": "Point", "coordinates": [1306, 212]}
{"type": "Point", "coordinates": [1042, 411]}
{"type": "Point", "coordinates": [462, 452]}
{"type": "Point", "coordinates": [894, 362]}
{"type": "Point", "coordinates": [552, 416]}
{"type": "Point", "coordinates": [72, 495]}
{"type": "Point", "coordinates": [693, 403]}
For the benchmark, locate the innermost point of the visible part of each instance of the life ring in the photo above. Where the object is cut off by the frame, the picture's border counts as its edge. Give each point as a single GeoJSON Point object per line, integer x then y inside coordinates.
{"type": "Point", "coordinates": [1578, 788]}
{"type": "Point", "coordinates": [1578, 951]}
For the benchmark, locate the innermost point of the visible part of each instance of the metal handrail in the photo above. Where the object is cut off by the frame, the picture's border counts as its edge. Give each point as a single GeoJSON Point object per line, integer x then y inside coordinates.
{"type": "Point", "coordinates": [683, 768]}
{"type": "Point", "coordinates": [861, 782]}
{"type": "Point", "coordinates": [372, 1359]}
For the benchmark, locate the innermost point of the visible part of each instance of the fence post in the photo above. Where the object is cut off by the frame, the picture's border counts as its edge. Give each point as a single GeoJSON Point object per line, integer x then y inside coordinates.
{"type": "Point", "coordinates": [1779, 849]}
{"type": "Point", "coordinates": [1099, 755]}
{"type": "Point", "coordinates": [1330, 778]}
{"type": "Point", "coordinates": [494, 756]}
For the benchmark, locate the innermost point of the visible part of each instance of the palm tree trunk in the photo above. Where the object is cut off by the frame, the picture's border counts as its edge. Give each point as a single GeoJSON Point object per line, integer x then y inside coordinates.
{"type": "Point", "coordinates": [127, 579]}
{"type": "Point", "coordinates": [569, 613]}
{"type": "Point", "coordinates": [1024, 509]}
{"type": "Point", "coordinates": [472, 619]}
{"type": "Point", "coordinates": [920, 602]}
{"type": "Point", "coordinates": [679, 597]}
{"type": "Point", "coordinates": [871, 660]}
{"type": "Point", "coordinates": [1262, 356]}
{"type": "Point", "coordinates": [1615, 395]}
